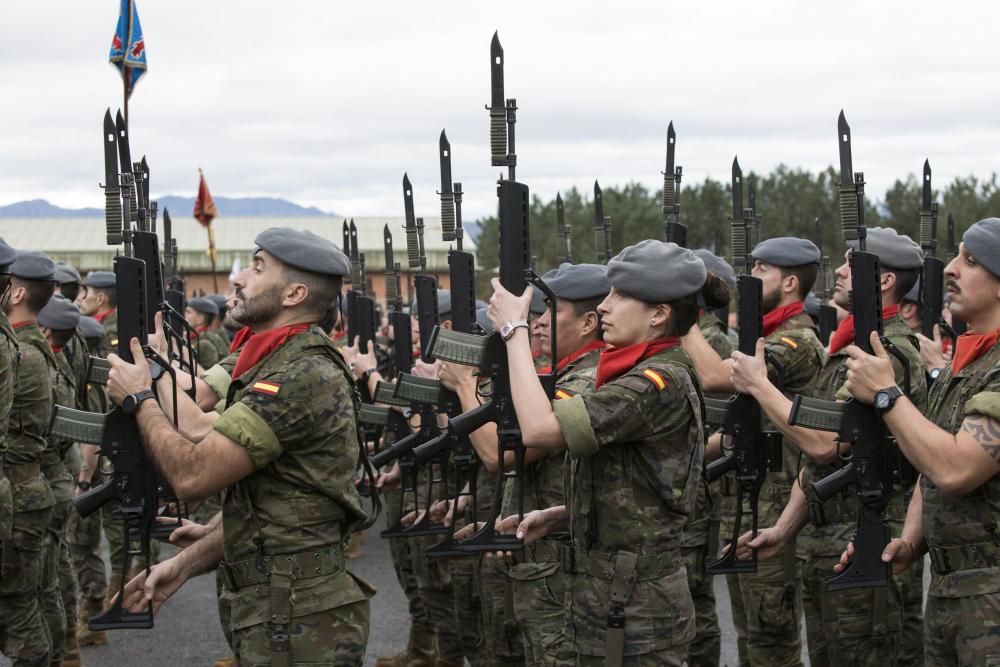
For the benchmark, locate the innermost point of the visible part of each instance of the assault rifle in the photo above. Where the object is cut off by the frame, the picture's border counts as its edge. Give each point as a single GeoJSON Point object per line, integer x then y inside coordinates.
{"type": "Point", "coordinates": [673, 231]}
{"type": "Point", "coordinates": [753, 451]}
{"type": "Point", "coordinates": [602, 228]}
{"type": "Point", "coordinates": [361, 322]}
{"type": "Point", "coordinates": [932, 277]}
{"type": "Point", "coordinates": [564, 234]}
{"type": "Point", "coordinates": [824, 291]}
{"type": "Point", "coordinates": [870, 466]}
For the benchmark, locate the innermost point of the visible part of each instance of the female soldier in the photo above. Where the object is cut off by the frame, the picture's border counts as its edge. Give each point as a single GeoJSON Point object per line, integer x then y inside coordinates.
{"type": "Point", "coordinates": [635, 443]}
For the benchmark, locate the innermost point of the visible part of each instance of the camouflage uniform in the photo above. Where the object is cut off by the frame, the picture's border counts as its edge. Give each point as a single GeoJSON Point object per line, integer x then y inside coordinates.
{"type": "Point", "coordinates": [859, 626]}
{"type": "Point", "coordinates": [767, 604]}
{"type": "Point", "coordinates": [295, 415]}
{"type": "Point", "coordinates": [539, 580]}
{"type": "Point", "coordinates": [701, 534]}
{"type": "Point", "coordinates": [24, 634]}
{"type": "Point", "coordinates": [207, 349]}
{"type": "Point", "coordinates": [109, 341]}
{"type": "Point", "coordinates": [632, 487]}
{"type": "Point", "coordinates": [963, 533]}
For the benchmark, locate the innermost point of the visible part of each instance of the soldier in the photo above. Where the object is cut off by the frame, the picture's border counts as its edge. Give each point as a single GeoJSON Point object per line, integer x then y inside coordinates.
{"type": "Point", "coordinates": [33, 618]}
{"type": "Point", "coordinates": [956, 450]}
{"type": "Point", "coordinates": [100, 301]}
{"type": "Point", "coordinates": [200, 313]}
{"type": "Point", "coordinates": [633, 481]}
{"type": "Point", "coordinates": [285, 449]}
{"type": "Point", "coordinates": [767, 604]}
{"type": "Point", "coordinates": [860, 625]}
{"type": "Point", "coordinates": [58, 321]}
{"type": "Point", "coordinates": [67, 281]}
{"type": "Point", "coordinates": [222, 334]}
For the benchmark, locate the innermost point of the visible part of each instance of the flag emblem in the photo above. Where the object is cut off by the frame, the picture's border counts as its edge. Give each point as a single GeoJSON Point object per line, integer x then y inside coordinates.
{"type": "Point", "coordinates": [266, 388]}
{"type": "Point", "coordinates": [562, 393]}
{"type": "Point", "coordinates": [789, 342]}
{"type": "Point", "coordinates": [655, 378]}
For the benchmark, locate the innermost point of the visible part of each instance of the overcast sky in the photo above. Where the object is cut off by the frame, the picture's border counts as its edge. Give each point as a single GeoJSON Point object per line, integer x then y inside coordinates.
{"type": "Point", "coordinates": [328, 103]}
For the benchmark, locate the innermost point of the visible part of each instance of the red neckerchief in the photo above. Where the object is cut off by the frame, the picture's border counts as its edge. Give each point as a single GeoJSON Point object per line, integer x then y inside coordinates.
{"type": "Point", "coordinates": [199, 331]}
{"type": "Point", "coordinates": [17, 325]}
{"type": "Point", "coordinates": [844, 335]}
{"type": "Point", "coordinates": [100, 317]}
{"type": "Point", "coordinates": [617, 360]}
{"type": "Point", "coordinates": [535, 355]}
{"type": "Point", "coordinates": [970, 346]}
{"type": "Point", "coordinates": [337, 335]}
{"type": "Point", "coordinates": [779, 316]}
{"type": "Point", "coordinates": [570, 358]}
{"type": "Point", "coordinates": [240, 339]}
{"type": "Point", "coordinates": [264, 343]}
{"type": "Point", "coordinates": [56, 350]}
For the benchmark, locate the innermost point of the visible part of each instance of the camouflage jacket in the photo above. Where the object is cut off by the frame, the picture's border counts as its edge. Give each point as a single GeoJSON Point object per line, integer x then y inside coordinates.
{"type": "Point", "coordinates": [971, 522]}
{"type": "Point", "coordinates": [835, 521]}
{"type": "Point", "coordinates": [545, 479]}
{"type": "Point", "coordinates": [8, 373]}
{"type": "Point", "coordinates": [29, 418]}
{"type": "Point", "coordinates": [220, 376]}
{"type": "Point", "coordinates": [78, 356]}
{"type": "Point", "coordinates": [716, 334]}
{"type": "Point", "coordinates": [60, 451]}
{"type": "Point", "coordinates": [208, 353]}
{"type": "Point", "coordinates": [109, 341]}
{"type": "Point", "coordinates": [294, 412]}
{"type": "Point", "coordinates": [636, 446]}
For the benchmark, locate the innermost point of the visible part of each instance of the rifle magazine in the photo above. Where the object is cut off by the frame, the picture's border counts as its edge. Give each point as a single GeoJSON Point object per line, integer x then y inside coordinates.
{"type": "Point", "coordinates": [816, 414]}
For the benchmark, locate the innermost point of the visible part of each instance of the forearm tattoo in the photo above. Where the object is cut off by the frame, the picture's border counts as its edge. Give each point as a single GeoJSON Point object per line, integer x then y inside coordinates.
{"type": "Point", "coordinates": [986, 431]}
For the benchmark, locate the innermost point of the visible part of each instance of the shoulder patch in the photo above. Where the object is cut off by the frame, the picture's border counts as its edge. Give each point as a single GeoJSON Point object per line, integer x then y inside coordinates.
{"type": "Point", "coordinates": [266, 388]}
{"type": "Point", "coordinates": [789, 342]}
{"type": "Point", "coordinates": [655, 378]}
{"type": "Point", "coordinates": [562, 393]}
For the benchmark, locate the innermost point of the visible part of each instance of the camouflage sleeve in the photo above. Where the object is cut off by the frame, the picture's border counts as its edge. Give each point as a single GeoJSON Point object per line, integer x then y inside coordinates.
{"type": "Point", "coordinates": [632, 407]}
{"type": "Point", "coordinates": [917, 378]}
{"type": "Point", "coordinates": [720, 342]}
{"type": "Point", "coordinates": [218, 378]}
{"type": "Point", "coordinates": [798, 358]}
{"type": "Point", "coordinates": [208, 355]}
{"type": "Point", "coordinates": [265, 421]}
{"type": "Point", "coordinates": [986, 402]}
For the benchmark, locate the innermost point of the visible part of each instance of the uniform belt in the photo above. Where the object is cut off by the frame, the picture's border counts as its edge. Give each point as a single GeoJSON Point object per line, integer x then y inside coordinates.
{"type": "Point", "coordinates": [964, 557]}
{"type": "Point", "coordinates": [25, 472]}
{"type": "Point", "coordinates": [544, 551]}
{"type": "Point", "coordinates": [302, 565]}
{"type": "Point", "coordinates": [597, 564]}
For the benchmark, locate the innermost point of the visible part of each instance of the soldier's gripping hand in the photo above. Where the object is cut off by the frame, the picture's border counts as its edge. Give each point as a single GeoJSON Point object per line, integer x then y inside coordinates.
{"type": "Point", "coordinates": [187, 533]}
{"type": "Point", "coordinates": [750, 373]}
{"type": "Point", "coordinates": [534, 525]}
{"type": "Point", "coordinates": [125, 378]}
{"type": "Point", "coordinates": [455, 376]}
{"type": "Point", "coordinates": [768, 543]}
{"type": "Point", "coordinates": [422, 369]}
{"type": "Point", "coordinates": [868, 373]}
{"type": "Point", "coordinates": [156, 588]}
{"type": "Point", "coordinates": [932, 351]}
{"type": "Point", "coordinates": [387, 481]}
{"type": "Point", "coordinates": [360, 361]}
{"type": "Point", "coordinates": [506, 307]}
{"type": "Point", "coordinates": [901, 553]}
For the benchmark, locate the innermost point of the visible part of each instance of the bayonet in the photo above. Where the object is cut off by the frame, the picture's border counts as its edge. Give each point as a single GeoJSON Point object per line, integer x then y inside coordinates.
{"type": "Point", "coordinates": [346, 231]}
{"type": "Point", "coordinates": [129, 212]}
{"type": "Point", "coordinates": [459, 232]}
{"type": "Point", "coordinates": [564, 251]}
{"type": "Point", "coordinates": [602, 226]}
{"type": "Point", "coordinates": [412, 246]}
{"type": "Point", "coordinates": [673, 230]}
{"type": "Point", "coordinates": [352, 253]}
{"type": "Point", "coordinates": [112, 191]}
{"type": "Point", "coordinates": [446, 193]}
{"type": "Point", "coordinates": [392, 295]}
{"type": "Point", "coordinates": [738, 229]}
{"type": "Point", "coordinates": [502, 114]}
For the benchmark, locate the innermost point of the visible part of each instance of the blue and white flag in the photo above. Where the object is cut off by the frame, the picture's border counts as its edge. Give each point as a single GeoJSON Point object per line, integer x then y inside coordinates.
{"type": "Point", "coordinates": [128, 50]}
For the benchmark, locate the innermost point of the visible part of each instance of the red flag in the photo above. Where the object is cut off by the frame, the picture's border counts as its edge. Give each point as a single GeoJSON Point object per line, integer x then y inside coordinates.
{"type": "Point", "coordinates": [204, 205]}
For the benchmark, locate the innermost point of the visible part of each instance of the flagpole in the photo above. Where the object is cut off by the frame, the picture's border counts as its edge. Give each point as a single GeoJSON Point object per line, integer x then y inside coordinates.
{"type": "Point", "coordinates": [211, 256]}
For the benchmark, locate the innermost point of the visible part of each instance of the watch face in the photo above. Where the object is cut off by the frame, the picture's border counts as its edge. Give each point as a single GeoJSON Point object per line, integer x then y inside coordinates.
{"type": "Point", "coordinates": [881, 400]}
{"type": "Point", "coordinates": [128, 404]}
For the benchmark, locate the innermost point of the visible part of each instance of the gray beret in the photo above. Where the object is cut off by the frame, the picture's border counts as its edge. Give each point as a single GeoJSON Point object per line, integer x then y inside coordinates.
{"type": "Point", "coordinates": [895, 251]}
{"type": "Point", "coordinates": [483, 321]}
{"type": "Point", "coordinates": [7, 254]}
{"type": "Point", "coordinates": [657, 272]}
{"type": "Point", "coordinates": [90, 327]}
{"type": "Point", "coordinates": [60, 314]}
{"type": "Point", "coordinates": [66, 273]}
{"type": "Point", "coordinates": [100, 279]}
{"type": "Point", "coordinates": [982, 240]}
{"type": "Point", "coordinates": [787, 251]}
{"type": "Point", "coordinates": [812, 304]}
{"type": "Point", "coordinates": [32, 265]}
{"type": "Point", "coordinates": [717, 265]}
{"type": "Point", "coordinates": [304, 250]}
{"type": "Point", "coordinates": [203, 305]}
{"type": "Point", "coordinates": [537, 306]}
{"type": "Point", "coordinates": [220, 301]}
{"type": "Point", "coordinates": [578, 282]}
{"type": "Point", "coordinates": [914, 293]}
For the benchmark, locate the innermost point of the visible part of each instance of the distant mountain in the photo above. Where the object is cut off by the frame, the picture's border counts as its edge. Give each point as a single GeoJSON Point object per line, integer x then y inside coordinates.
{"type": "Point", "coordinates": [228, 206]}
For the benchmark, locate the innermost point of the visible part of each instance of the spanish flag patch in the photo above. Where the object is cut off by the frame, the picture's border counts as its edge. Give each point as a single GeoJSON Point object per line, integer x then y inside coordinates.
{"type": "Point", "coordinates": [789, 342]}
{"type": "Point", "coordinates": [562, 393]}
{"type": "Point", "coordinates": [266, 388]}
{"type": "Point", "coordinates": [655, 378]}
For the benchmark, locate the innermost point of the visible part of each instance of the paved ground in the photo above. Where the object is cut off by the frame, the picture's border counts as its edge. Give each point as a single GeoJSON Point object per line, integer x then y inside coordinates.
{"type": "Point", "coordinates": [187, 630]}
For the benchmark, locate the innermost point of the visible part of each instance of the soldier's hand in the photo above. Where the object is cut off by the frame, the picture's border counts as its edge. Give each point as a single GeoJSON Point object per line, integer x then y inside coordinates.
{"type": "Point", "coordinates": [534, 525]}
{"type": "Point", "coordinates": [441, 512]}
{"type": "Point", "coordinates": [866, 373]}
{"type": "Point", "coordinates": [362, 361]}
{"type": "Point", "coordinates": [768, 543]}
{"type": "Point", "coordinates": [422, 369]}
{"type": "Point", "coordinates": [505, 307]}
{"type": "Point", "coordinates": [125, 378]}
{"type": "Point", "coordinates": [901, 553]}
{"type": "Point", "coordinates": [748, 372]}
{"type": "Point", "coordinates": [468, 530]}
{"type": "Point", "coordinates": [164, 580]}
{"type": "Point", "coordinates": [387, 481]}
{"type": "Point", "coordinates": [157, 340]}
{"type": "Point", "coordinates": [411, 518]}
{"type": "Point", "coordinates": [186, 534]}
{"type": "Point", "coordinates": [932, 351]}
{"type": "Point", "coordinates": [453, 376]}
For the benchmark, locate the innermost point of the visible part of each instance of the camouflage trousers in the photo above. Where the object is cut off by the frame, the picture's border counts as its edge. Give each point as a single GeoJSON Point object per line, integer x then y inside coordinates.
{"type": "Point", "coordinates": [84, 539]}
{"type": "Point", "coordinates": [962, 631]}
{"type": "Point", "coordinates": [336, 636]}
{"type": "Point", "coordinates": [402, 561]}
{"type": "Point", "coordinates": [468, 610]}
{"type": "Point", "coordinates": [503, 638]}
{"type": "Point", "coordinates": [705, 649]}
{"type": "Point", "coordinates": [911, 643]}
{"type": "Point", "coordinates": [24, 635]}
{"type": "Point", "coordinates": [50, 595]}
{"type": "Point", "coordinates": [767, 604]}
{"type": "Point", "coordinates": [675, 656]}
{"type": "Point", "coordinates": [540, 610]}
{"type": "Point", "coordinates": [433, 577]}
{"type": "Point", "coordinates": [115, 534]}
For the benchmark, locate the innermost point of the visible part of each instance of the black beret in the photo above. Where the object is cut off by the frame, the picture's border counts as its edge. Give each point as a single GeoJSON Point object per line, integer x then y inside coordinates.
{"type": "Point", "coordinates": [718, 266]}
{"type": "Point", "coordinates": [7, 254]}
{"type": "Point", "coordinates": [31, 265]}
{"type": "Point", "coordinates": [982, 240]}
{"type": "Point", "coordinates": [657, 272]}
{"type": "Point", "coordinates": [90, 327]}
{"type": "Point", "coordinates": [304, 250]}
{"type": "Point", "coordinates": [204, 305]}
{"type": "Point", "coordinates": [100, 280]}
{"type": "Point", "coordinates": [578, 282]}
{"type": "Point", "coordinates": [895, 251]}
{"type": "Point", "coordinates": [60, 314]}
{"type": "Point", "coordinates": [787, 251]}
{"type": "Point", "coordinates": [66, 273]}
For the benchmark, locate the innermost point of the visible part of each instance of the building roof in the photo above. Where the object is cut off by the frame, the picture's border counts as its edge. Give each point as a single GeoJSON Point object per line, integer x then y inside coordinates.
{"type": "Point", "coordinates": [81, 241]}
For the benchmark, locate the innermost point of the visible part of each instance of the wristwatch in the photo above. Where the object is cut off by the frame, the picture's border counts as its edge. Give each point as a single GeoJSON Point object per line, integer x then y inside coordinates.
{"type": "Point", "coordinates": [131, 402]}
{"type": "Point", "coordinates": [508, 329]}
{"type": "Point", "coordinates": [83, 485]}
{"type": "Point", "coordinates": [886, 398]}
{"type": "Point", "coordinates": [935, 372]}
